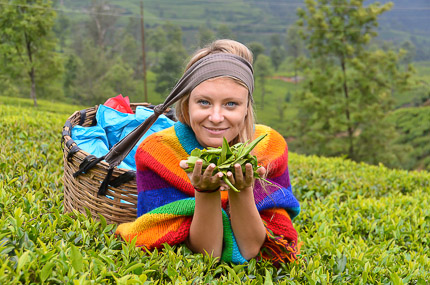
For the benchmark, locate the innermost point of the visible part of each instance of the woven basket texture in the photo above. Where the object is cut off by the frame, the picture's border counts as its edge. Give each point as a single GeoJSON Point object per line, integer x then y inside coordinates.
{"type": "Point", "coordinates": [120, 203]}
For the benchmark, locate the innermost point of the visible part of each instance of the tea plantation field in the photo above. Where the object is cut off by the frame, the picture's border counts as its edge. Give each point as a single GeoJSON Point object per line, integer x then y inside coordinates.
{"type": "Point", "coordinates": [359, 224]}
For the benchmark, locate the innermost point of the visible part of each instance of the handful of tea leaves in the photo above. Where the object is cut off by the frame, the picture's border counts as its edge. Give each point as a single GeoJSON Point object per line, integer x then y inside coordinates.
{"type": "Point", "coordinates": [225, 157]}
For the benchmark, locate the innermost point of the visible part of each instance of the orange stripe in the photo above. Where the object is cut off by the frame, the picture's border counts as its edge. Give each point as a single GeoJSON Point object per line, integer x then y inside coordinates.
{"type": "Point", "coordinates": [270, 148]}
{"type": "Point", "coordinates": [282, 212]}
{"type": "Point", "coordinates": [149, 228]}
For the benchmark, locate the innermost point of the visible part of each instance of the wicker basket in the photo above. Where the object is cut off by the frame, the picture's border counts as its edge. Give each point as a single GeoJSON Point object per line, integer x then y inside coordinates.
{"type": "Point", "coordinates": [80, 192]}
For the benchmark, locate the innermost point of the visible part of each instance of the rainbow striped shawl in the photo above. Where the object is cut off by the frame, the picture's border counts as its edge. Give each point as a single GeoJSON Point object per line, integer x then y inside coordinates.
{"type": "Point", "coordinates": [166, 196]}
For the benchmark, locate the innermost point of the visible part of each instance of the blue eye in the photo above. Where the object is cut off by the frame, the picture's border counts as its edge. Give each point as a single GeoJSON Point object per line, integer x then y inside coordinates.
{"type": "Point", "coordinates": [231, 104]}
{"type": "Point", "coordinates": [203, 102]}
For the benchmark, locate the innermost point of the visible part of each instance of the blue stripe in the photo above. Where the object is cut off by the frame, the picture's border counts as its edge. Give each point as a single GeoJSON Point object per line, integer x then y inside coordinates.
{"type": "Point", "coordinates": [152, 199]}
{"type": "Point", "coordinates": [186, 137]}
{"type": "Point", "coordinates": [281, 198]}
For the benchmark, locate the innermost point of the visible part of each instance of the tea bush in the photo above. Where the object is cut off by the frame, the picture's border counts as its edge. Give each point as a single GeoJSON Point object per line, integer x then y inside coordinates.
{"type": "Point", "coordinates": [359, 224]}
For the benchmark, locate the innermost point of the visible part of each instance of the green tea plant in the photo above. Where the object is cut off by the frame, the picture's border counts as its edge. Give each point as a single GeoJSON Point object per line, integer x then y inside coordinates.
{"type": "Point", "coordinates": [359, 224]}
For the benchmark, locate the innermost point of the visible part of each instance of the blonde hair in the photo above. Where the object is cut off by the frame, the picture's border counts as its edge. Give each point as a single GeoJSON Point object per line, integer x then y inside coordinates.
{"type": "Point", "coordinates": [221, 46]}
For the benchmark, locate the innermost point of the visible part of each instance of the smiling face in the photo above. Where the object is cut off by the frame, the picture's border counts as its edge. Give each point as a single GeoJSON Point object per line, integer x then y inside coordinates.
{"type": "Point", "coordinates": [217, 109]}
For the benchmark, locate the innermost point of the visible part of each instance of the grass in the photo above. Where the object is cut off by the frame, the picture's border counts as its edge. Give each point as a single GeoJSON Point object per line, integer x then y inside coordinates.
{"type": "Point", "coordinates": [359, 224]}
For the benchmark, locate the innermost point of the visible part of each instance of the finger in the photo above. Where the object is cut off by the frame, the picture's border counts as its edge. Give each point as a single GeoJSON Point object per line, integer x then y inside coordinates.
{"type": "Point", "coordinates": [217, 178]}
{"type": "Point", "coordinates": [197, 172]}
{"type": "Point", "coordinates": [238, 175]}
{"type": "Point", "coordinates": [261, 171]}
{"type": "Point", "coordinates": [230, 177]}
{"type": "Point", "coordinates": [183, 164]}
{"type": "Point", "coordinates": [249, 174]}
{"type": "Point", "coordinates": [207, 174]}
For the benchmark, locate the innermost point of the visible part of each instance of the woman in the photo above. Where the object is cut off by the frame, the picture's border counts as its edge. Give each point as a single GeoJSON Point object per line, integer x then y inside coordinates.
{"type": "Point", "coordinates": [199, 208]}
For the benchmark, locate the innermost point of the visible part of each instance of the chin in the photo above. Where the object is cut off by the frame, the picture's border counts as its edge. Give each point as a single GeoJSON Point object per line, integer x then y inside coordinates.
{"type": "Point", "coordinates": [214, 142]}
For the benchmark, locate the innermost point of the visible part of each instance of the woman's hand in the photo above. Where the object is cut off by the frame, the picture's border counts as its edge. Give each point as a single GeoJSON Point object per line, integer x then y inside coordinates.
{"type": "Point", "coordinates": [204, 181]}
{"type": "Point", "coordinates": [246, 222]}
{"type": "Point", "coordinates": [240, 181]}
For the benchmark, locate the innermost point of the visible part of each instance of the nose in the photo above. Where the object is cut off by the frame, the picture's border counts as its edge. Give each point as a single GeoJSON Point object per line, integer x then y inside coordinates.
{"type": "Point", "coordinates": [216, 116]}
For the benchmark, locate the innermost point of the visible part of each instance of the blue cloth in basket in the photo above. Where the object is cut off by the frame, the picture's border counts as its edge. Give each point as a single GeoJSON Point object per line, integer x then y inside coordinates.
{"type": "Point", "coordinates": [111, 127]}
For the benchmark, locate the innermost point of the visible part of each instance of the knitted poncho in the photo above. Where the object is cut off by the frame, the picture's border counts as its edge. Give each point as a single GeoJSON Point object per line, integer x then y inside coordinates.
{"type": "Point", "coordinates": [166, 196]}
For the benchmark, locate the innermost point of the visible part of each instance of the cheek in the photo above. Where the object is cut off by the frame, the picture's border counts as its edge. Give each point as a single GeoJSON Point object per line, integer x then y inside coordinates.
{"type": "Point", "coordinates": [238, 119]}
{"type": "Point", "coordinates": [197, 116]}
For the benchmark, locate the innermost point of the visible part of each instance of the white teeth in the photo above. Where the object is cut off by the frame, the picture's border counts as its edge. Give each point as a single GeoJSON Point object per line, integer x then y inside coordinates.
{"type": "Point", "coordinates": [215, 129]}
{"type": "Point", "coordinates": [212, 129]}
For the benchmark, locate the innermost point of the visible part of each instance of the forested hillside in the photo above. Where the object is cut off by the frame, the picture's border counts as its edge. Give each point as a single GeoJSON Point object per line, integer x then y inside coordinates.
{"type": "Point", "coordinates": [252, 20]}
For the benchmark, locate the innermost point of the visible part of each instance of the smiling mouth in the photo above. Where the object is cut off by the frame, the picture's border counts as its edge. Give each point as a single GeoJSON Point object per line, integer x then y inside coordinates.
{"type": "Point", "coordinates": [215, 131]}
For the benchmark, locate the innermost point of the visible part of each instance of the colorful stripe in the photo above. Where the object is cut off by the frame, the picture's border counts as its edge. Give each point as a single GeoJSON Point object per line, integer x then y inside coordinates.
{"type": "Point", "coordinates": [166, 197]}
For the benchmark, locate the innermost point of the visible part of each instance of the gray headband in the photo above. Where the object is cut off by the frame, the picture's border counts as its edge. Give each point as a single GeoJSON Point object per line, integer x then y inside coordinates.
{"type": "Point", "coordinates": [210, 66]}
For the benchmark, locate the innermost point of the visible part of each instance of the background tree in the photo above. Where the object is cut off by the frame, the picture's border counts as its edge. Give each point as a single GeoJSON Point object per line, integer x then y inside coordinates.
{"type": "Point", "coordinates": [171, 62]}
{"type": "Point", "coordinates": [281, 106]}
{"type": "Point", "coordinates": [277, 52]}
{"type": "Point", "coordinates": [348, 89]}
{"type": "Point", "coordinates": [256, 48]}
{"type": "Point", "coordinates": [224, 32]}
{"type": "Point", "coordinates": [61, 29]}
{"type": "Point", "coordinates": [205, 36]}
{"type": "Point", "coordinates": [157, 39]}
{"type": "Point", "coordinates": [410, 52]}
{"type": "Point", "coordinates": [27, 41]}
{"type": "Point", "coordinates": [295, 48]}
{"type": "Point", "coordinates": [72, 68]}
{"type": "Point", "coordinates": [263, 69]}
{"type": "Point", "coordinates": [173, 33]}
{"type": "Point", "coordinates": [130, 53]}
{"type": "Point", "coordinates": [102, 21]}
{"type": "Point", "coordinates": [169, 69]}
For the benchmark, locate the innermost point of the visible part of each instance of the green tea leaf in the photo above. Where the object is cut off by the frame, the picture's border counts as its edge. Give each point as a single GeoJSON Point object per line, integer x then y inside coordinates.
{"type": "Point", "coordinates": [196, 152]}
{"type": "Point", "coordinates": [77, 259]}
{"type": "Point", "coordinates": [268, 278]}
{"type": "Point", "coordinates": [224, 150]}
{"type": "Point", "coordinates": [192, 160]}
{"type": "Point", "coordinates": [134, 267]}
{"type": "Point", "coordinates": [225, 179]}
{"type": "Point", "coordinates": [46, 271]}
{"type": "Point", "coordinates": [252, 145]}
{"type": "Point", "coordinates": [103, 222]}
{"type": "Point", "coordinates": [212, 150]}
{"type": "Point", "coordinates": [23, 260]}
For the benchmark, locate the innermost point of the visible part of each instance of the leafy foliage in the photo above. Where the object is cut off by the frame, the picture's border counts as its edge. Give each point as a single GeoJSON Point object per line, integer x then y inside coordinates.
{"type": "Point", "coordinates": [225, 158]}
{"type": "Point", "coordinates": [263, 69]}
{"type": "Point", "coordinates": [27, 44]}
{"type": "Point", "coordinates": [347, 93]}
{"type": "Point", "coordinates": [359, 223]}
{"type": "Point", "coordinates": [411, 123]}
